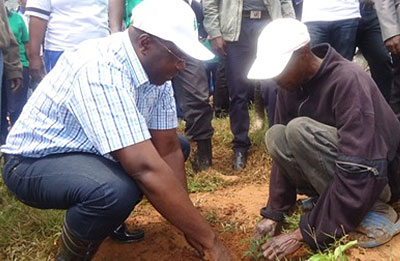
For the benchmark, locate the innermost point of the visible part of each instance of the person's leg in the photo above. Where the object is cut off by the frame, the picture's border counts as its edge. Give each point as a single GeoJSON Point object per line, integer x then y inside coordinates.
{"type": "Point", "coordinates": [307, 150]}
{"type": "Point", "coordinates": [1, 90]}
{"type": "Point", "coordinates": [96, 192]}
{"type": "Point", "coordinates": [342, 36]}
{"type": "Point", "coordinates": [369, 40]}
{"type": "Point", "coordinates": [395, 91]}
{"type": "Point", "coordinates": [269, 91]}
{"type": "Point", "coordinates": [221, 94]}
{"type": "Point", "coordinates": [319, 32]}
{"type": "Point", "coordinates": [50, 59]}
{"type": "Point", "coordinates": [240, 55]}
{"type": "Point", "coordinates": [185, 145]}
{"type": "Point", "coordinates": [192, 95]}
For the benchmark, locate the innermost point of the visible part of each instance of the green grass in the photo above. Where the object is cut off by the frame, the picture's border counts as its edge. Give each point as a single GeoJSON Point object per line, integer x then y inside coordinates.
{"type": "Point", "coordinates": [27, 233]}
{"type": "Point", "coordinates": [254, 252]}
{"type": "Point", "coordinates": [335, 252]}
{"type": "Point", "coordinates": [204, 183]}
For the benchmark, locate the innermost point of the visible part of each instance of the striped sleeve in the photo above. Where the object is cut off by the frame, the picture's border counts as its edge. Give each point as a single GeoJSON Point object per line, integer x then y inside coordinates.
{"type": "Point", "coordinates": [105, 109]}
{"type": "Point", "coordinates": [164, 116]}
{"type": "Point", "coordinates": [39, 8]}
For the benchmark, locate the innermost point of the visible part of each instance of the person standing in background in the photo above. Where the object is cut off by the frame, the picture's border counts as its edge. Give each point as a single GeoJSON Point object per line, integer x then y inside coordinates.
{"type": "Point", "coordinates": [14, 101]}
{"type": "Point", "coordinates": [10, 64]}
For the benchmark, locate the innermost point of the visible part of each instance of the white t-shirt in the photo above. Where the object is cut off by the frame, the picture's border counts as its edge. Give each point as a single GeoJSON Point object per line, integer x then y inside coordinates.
{"type": "Point", "coordinates": [330, 10]}
{"type": "Point", "coordinates": [70, 22]}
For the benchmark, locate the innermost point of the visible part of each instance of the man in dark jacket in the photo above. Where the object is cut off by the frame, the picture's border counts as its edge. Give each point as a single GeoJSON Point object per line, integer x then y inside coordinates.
{"type": "Point", "coordinates": [336, 139]}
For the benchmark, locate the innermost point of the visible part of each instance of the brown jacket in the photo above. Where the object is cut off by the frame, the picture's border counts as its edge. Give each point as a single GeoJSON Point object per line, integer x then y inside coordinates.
{"type": "Point", "coordinates": [9, 47]}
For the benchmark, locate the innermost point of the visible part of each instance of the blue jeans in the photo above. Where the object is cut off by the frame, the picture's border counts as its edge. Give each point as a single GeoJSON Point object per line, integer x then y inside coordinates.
{"type": "Point", "coordinates": [369, 40]}
{"type": "Point", "coordinates": [96, 192]}
{"type": "Point", "coordinates": [341, 35]}
{"type": "Point", "coordinates": [50, 59]}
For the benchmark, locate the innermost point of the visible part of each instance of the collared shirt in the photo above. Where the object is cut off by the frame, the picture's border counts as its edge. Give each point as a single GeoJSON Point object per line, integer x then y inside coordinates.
{"type": "Point", "coordinates": [97, 99]}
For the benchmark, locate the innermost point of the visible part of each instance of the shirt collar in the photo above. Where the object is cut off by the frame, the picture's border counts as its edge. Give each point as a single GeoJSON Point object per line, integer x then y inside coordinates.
{"type": "Point", "coordinates": [134, 62]}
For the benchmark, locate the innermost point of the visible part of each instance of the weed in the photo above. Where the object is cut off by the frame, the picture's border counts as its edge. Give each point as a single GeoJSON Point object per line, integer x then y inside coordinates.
{"type": "Point", "coordinates": [336, 251]}
{"type": "Point", "coordinates": [202, 183]}
{"type": "Point", "coordinates": [292, 222]}
{"type": "Point", "coordinates": [254, 252]}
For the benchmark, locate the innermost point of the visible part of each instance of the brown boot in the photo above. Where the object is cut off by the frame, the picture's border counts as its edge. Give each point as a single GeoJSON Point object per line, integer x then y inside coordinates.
{"type": "Point", "coordinates": [203, 157]}
{"type": "Point", "coordinates": [73, 248]}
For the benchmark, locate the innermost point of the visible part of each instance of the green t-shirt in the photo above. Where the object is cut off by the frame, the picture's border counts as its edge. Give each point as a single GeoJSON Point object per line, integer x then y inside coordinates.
{"type": "Point", "coordinates": [129, 5]}
{"type": "Point", "coordinates": [18, 27]}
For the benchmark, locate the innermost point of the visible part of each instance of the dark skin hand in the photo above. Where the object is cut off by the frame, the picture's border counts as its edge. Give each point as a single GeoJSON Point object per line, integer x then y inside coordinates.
{"type": "Point", "coordinates": [164, 189]}
{"type": "Point", "coordinates": [218, 44]}
{"type": "Point", "coordinates": [15, 84]}
{"type": "Point", "coordinates": [266, 227]}
{"type": "Point", "coordinates": [393, 44]}
{"type": "Point", "coordinates": [283, 245]}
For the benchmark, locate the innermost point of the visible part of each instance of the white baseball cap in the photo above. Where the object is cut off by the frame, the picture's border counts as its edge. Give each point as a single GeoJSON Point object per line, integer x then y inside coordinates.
{"type": "Point", "coordinates": [276, 44]}
{"type": "Point", "coordinates": [171, 20]}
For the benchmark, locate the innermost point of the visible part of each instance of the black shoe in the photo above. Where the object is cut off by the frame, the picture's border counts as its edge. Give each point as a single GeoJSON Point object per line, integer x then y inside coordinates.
{"type": "Point", "coordinates": [239, 160]}
{"type": "Point", "coordinates": [122, 234]}
{"type": "Point", "coordinates": [203, 157]}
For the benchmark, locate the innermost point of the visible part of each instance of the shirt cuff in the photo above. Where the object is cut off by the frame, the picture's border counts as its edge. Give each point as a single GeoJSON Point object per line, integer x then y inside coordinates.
{"type": "Point", "coordinates": [273, 215]}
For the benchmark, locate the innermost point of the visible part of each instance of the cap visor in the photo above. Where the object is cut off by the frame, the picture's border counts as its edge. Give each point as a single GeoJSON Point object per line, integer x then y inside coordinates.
{"type": "Point", "coordinates": [196, 50]}
{"type": "Point", "coordinates": [269, 66]}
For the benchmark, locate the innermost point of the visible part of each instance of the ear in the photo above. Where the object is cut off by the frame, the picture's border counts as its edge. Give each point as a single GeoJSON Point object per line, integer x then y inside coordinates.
{"type": "Point", "coordinates": [145, 42]}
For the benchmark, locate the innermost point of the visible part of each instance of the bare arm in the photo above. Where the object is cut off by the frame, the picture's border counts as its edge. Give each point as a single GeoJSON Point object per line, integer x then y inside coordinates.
{"type": "Point", "coordinates": [163, 189]}
{"type": "Point", "coordinates": [37, 28]}
{"type": "Point", "coordinates": [167, 144]}
{"type": "Point", "coordinates": [116, 10]}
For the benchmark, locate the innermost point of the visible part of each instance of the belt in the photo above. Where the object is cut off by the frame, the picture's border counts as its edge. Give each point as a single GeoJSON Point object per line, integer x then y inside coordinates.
{"type": "Point", "coordinates": [255, 14]}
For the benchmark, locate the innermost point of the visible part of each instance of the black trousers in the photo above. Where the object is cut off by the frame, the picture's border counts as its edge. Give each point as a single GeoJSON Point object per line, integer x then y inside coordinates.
{"type": "Point", "coordinates": [192, 96]}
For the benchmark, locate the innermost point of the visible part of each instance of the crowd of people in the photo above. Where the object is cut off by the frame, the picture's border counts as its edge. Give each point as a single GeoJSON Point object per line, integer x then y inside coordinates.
{"type": "Point", "coordinates": [91, 92]}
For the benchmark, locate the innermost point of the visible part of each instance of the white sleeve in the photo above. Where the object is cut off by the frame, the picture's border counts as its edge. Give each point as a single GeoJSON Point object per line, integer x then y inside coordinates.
{"type": "Point", "coordinates": [39, 8]}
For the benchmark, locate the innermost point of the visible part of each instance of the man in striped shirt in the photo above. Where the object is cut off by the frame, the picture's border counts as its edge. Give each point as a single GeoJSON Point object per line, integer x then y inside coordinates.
{"type": "Point", "coordinates": [100, 130]}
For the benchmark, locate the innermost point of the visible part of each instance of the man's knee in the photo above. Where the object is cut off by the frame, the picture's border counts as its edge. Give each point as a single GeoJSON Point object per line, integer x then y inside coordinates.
{"type": "Point", "coordinates": [117, 198]}
{"type": "Point", "coordinates": [274, 138]}
{"type": "Point", "coordinates": [297, 129]}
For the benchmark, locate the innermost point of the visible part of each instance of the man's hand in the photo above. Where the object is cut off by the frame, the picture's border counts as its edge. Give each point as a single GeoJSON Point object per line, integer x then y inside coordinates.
{"type": "Point", "coordinates": [218, 44]}
{"type": "Point", "coordinates": [218, 252]}
{"type": "Point", "coordinates": [15, 84]}
{"type": "Point", "coordinates": [393, 44]}
{"type": "Point", "coordinates": [280, 246]}
{"type": "Point", "coordinates": [266, 227]}
{"type": "Point", "coordinates": [36, 68]}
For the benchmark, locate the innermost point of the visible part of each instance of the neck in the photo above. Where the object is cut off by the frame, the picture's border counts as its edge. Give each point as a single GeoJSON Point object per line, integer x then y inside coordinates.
{"type": "Point", "coordinates": [314, 66]}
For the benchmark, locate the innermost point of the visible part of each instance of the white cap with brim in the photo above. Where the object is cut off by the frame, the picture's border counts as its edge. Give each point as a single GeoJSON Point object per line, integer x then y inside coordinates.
{"type": "Point", "coordinates": [171, 20]}
{"type": "Point", "coordinates": [276, 44]}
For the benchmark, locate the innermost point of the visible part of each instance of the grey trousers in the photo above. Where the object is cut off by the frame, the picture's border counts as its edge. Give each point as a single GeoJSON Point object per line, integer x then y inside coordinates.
{"type": "Point", "coordinates": [307, 150]}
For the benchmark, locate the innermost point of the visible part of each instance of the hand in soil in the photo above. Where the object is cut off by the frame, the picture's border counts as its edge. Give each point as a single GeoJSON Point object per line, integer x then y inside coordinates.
{"type": "Point", "coordinates": [218, 252]}
{"type": "Point", "coordinates": [265, 227]}
{"type": "Point", "coordinates": [280, 246]}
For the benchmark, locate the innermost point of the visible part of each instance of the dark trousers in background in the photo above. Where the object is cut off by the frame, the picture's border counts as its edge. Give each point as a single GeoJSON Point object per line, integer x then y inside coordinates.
{"type": "Point", "coordinates": [192, 96]}
{"type": "Point", "coordinates": [13, 103]}
{"type": "Point", "coordinates": [369, 40]}
{"type": "Point", "coordinates": [395, 92]}
{"type": "Point", "coordinates": [341, 35]}
{"type": "Point", "coordinates": [221, 93]}
{"type": "Point", "coordinates": [240, 56]}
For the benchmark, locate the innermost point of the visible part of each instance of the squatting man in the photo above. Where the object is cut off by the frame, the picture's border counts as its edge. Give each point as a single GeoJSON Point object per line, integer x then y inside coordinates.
{"type": "Point", "coordinates": [335, 139]}
{"type": "Point", "coordinates": [100, 131]}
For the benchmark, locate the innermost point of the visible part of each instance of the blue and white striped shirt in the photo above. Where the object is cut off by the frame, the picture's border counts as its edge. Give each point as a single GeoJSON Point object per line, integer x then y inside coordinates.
{"type": "Point", "coordinates": [97, 99]}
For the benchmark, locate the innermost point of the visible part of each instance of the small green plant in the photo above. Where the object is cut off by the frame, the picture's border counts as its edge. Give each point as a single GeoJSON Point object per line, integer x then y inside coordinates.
{"type": "Point", "coordinates": [254, 252]}
{"type": "Point", "coordinates": [229, 226]}
{"type": "Point", "coordinates": [292, 222]}
{"type": "Point", "coordinates": [336, 252]}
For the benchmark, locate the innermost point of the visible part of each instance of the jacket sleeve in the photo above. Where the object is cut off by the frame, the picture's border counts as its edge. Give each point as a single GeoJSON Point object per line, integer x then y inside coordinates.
{"type": "Point", "coordinates": [287, 8]}
{"type": "Point", "coordinates": [361, 166]}
{"type": "Point", "coordinates": [282, 194]}
{"type": "Point", "coordinates": [12, 62]}
{"type": "Point", "coordinates": [211, 18]}
{"type": "Point", "coordinates": [388, 15]}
